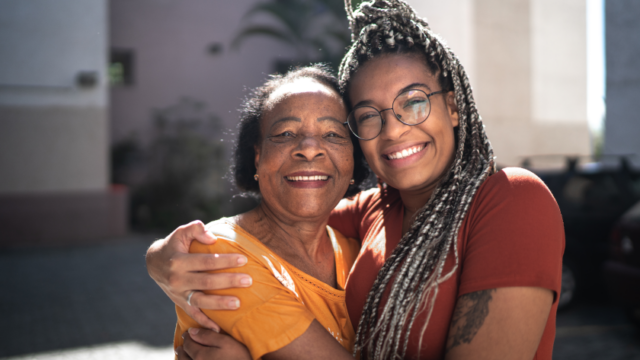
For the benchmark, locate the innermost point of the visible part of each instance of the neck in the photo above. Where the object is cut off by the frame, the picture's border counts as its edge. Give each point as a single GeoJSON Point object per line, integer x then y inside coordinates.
{"type": "Point", "coordinates": [288, 236]}
{"type": "Point", "coordinates": [414, 200]}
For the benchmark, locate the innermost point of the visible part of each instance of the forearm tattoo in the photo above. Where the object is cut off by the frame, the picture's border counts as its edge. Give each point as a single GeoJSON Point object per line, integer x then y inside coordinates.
{"type": "Point", "coordinates": [468, 317]}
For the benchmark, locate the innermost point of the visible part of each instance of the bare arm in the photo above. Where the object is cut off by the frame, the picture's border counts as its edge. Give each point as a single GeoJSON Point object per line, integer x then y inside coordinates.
{"type": "Point", "coordinates": [314, 343]}
{"type": "Point", "coordinates": [503, 323]}
{"type": "Point", "coordinates": [178, 273]}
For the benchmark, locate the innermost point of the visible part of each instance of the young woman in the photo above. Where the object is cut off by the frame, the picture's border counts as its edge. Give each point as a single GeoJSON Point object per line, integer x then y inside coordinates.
{"type": "Point", "coordinates": [458, 261]}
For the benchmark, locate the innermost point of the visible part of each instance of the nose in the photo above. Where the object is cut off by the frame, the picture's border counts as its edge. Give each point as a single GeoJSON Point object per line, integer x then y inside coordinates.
{"type": "Point", "coordinates": [309, 149]}
{"type": "Point", "coordinates": [392, 128]}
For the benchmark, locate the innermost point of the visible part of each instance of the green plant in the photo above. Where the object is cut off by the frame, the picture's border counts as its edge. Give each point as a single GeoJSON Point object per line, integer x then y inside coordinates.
{"type": "Point", "coordinates": [317, 29]}
{"type": "Point", "coordinates": [183, 168]}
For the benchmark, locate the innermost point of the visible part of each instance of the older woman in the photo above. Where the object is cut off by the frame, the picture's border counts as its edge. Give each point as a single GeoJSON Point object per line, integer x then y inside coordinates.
{"type": "Point", "coordinates": [458, 261]}
{"type": "Point", "coordinates": [296, 152]}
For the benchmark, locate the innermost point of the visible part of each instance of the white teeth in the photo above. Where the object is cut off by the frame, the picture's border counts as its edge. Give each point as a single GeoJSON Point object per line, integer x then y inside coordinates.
{"type": "Point", "coordinates": [307, 178]}
{"type": "Point", "coordinates": [406, 152]}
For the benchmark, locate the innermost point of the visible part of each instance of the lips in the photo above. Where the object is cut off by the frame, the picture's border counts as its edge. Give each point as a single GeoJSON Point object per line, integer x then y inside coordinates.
{"type": "Point", "coordinates": [307, 179]}
{"type": "Point", "coordinates": [398, 154]}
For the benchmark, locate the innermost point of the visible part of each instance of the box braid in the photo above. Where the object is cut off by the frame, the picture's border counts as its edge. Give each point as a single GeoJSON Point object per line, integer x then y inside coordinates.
{"type": "Point", "coordinates": [415, 268]}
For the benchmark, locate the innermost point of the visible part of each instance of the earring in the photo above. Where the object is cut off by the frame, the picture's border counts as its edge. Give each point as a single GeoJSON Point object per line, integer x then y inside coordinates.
{"type": "Point", "coordinates": [352, 182]}
{"type": "Point", "coordinates": [256, 177]}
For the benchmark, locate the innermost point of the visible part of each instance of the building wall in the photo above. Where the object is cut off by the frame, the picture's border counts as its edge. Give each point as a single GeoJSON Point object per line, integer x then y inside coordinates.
{"type": "Point", "coordinates": [53, 132]}
{"type": "Point", "coordinates": [170, 41]}
{"type": "Point", "coordinates": [526, 61]}
{"type": "Point", "coordinates": [622, 35]}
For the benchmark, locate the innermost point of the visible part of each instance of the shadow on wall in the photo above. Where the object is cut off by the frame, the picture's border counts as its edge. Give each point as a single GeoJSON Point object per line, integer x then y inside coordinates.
{"type": "Point", "coordinates": [179, 176]}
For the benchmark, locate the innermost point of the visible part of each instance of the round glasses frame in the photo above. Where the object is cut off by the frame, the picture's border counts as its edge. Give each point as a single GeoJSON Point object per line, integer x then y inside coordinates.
{"type": "Point", "coordinates": [428, 96]}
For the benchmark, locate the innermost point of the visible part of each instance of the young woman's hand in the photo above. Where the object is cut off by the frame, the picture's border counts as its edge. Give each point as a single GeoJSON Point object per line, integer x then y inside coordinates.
{"type": "Point", "coordinates": [179, 274]}
{"type": "Point", "coordinates": [203, 344]}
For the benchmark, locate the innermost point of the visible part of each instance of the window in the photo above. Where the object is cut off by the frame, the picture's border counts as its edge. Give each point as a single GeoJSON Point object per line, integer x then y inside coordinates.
{"type": "Point", "coordinates": [121, 67]}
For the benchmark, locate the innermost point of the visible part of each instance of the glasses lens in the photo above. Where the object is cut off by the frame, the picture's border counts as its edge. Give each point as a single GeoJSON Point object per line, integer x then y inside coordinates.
{"type": "Point", "coordinates": [412, 107]}
{"type": "Point", "coordinates": [365, 122]}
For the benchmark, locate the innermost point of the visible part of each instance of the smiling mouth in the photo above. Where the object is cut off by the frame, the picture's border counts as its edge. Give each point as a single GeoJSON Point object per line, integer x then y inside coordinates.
{"type": "Point", "coordinates": [405, 152]}
{"type": "Point", "coordinates": [307, 178]}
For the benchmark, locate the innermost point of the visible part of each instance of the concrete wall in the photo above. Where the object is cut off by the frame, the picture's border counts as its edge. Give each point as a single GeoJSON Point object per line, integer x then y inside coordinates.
{"type": "Point", "coordinates": [53, 133]}
{"type": "Point", "coordinates": [622, 127]}
{"type": "Point", "coordinates": [54, 177]}
{"type": "Point", "coordinates": [526, 61]}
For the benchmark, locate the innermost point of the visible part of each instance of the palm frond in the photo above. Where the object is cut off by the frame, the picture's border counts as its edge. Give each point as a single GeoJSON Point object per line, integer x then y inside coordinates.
{"type": "Point", "coordinates": [286, 12]}
{"type": "Point", "coordinates": [262, 30]}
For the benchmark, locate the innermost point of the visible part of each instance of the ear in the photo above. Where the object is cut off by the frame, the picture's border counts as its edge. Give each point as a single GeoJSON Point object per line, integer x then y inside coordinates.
{"type": "Point", "coordinates": [452, 108]}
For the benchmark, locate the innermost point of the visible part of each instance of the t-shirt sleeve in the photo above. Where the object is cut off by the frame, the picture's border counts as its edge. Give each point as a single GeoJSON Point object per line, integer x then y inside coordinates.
{"type": "Point", "coordinates": [515, 235]}
{"type": "Point", "coordinates": [270, 315]}
{"type": "Point", "coordinates": [348, 216]}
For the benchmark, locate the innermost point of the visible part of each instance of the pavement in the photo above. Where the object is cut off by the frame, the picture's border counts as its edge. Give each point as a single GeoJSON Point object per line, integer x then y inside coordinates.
{"type": "Point", "coordinates": [97, 302]}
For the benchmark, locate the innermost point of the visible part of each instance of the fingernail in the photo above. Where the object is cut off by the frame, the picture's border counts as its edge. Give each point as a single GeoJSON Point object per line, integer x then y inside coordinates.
{"type": "Point", "coordinates": [246, 281]}
{"type": "Point", "coordinates": [193, 331]}
{"type": "Point", "coordinates": [175, 351]}
{"type": "Point", "coordinates": [234, 304]}
{"type": "Point", "coordinates": [242, 260]}
{"type": "Point", "coordinates": [216, 330]}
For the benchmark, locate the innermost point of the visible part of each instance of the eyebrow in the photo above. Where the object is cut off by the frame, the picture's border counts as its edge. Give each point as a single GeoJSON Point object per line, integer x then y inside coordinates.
{"type": "Point", "coordinates": [331, 118]}
{"type": "Point", "coordinates": [285, 119]}
{"type": "Point", "coordinates": [408, 87]}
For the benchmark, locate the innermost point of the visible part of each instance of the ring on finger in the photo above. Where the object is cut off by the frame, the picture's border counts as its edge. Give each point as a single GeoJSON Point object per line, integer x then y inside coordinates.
{"type": "Point", "coordinates": [189, 297]}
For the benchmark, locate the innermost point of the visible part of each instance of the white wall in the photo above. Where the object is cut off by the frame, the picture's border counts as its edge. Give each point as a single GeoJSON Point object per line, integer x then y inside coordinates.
{"type": "Point", "coordinates": [526, 61]}
{"type": "Point", "coordinates": [53, 134]}
{"type": "Point", "coordinates": [559, 61]}
{"type": "Point", "coordinates": [455, 21]}
{"type": "Point", "coordinates": [44, 44]}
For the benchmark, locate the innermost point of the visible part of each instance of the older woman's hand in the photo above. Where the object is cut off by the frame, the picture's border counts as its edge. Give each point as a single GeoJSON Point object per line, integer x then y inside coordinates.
{"type": "Point", "coordinates": [180, 274]}
{"type": "Point", "coordinates": [203, 344]}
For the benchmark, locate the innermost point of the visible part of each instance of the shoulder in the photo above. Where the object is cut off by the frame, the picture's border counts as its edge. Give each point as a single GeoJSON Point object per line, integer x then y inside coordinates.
{"type": "Point", "coordinates": [230, 239]}
{"type": "Point", "coordinates": [514, 188]}
{"type": "Point", "coordinates": [514, 182]}
{"type": "Point", "coordinates": [361, 200]}
{"type": "Point", "coordinates": [514, 202]}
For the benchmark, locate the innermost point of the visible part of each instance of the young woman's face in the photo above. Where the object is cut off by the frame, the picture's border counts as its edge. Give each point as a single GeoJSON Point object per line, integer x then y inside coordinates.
{"type": "Point", "coordinates": [406, 157]}
{"type": "Point", "coordinates": [305, 158]}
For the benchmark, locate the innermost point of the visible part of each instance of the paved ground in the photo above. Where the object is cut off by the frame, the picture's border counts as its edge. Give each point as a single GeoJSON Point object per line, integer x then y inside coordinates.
{"type": "Point", "coordinates": [92, 303]}
{"type": "Point", "coordinates": [98, 303]}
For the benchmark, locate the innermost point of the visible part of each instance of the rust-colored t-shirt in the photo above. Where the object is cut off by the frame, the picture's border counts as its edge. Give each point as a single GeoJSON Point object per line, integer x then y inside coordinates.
{"type": "Point", "coordinates": [513, 235]}
{"type": "Point", "coordinates": [282, 301]}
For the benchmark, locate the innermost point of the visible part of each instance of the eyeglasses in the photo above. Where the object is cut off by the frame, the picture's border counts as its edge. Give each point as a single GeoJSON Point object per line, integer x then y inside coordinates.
{"type": "Point", "coordinates": [411, 107]}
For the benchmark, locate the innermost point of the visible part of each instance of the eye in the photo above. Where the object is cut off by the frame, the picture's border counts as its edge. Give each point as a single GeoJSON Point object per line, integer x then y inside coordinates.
{"type": "Point", "coordinates": [285, 134]}
{"type": "Point", "coordinates": [363, 118]}
{"type": "Point", "coordinates": [414, 102]}
{"type": "Point", "coordinates": [334, 134]}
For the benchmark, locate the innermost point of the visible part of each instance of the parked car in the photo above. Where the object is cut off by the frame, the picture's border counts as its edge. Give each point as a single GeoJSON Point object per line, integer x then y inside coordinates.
{"type": "Point", "coordinates": [592, 195]}
{"type": "Point", "coordinates": [622, 270]}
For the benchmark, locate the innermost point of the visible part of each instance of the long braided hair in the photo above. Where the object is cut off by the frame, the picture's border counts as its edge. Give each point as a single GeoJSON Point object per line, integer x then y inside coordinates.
{"type": "Point", "coordinates": [415, 268]}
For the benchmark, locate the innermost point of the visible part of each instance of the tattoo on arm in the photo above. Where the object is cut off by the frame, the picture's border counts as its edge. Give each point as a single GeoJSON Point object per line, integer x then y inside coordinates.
{"type": "Point", "coordinates": [468, 317]}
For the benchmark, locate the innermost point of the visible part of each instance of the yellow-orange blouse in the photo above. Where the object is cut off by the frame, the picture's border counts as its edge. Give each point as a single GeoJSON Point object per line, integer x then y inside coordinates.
{"type": "Point", "coordinates": [282, 301]}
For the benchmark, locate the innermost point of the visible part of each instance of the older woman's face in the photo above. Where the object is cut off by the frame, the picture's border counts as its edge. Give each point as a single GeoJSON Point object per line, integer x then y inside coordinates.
{"type": "Point", "coordinates": [406, 157]}
{"type": "Point", "coordinates": [305, 158]}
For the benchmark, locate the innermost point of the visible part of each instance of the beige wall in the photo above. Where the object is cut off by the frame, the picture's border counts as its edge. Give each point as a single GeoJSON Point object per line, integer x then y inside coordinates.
{"type": "Point", "coordinates": [526, 61]}
{"type": "Point", "coordinates": [53, 133]}
{"type": "Point", "coordinates": [170, 41]}
{"type": "Point", "coordinates": [53, 149]}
